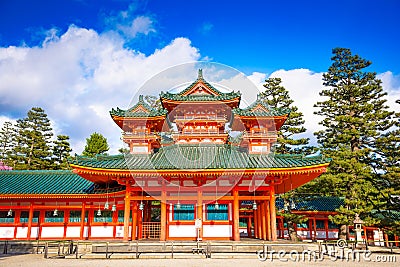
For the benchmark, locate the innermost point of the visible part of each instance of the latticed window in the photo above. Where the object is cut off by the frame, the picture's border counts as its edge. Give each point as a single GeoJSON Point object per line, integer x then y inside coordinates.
{"type": "Point", "coordinates": [220, 214]}
{"type": "Point", "coordinates": [332, 225]}
{"type": "Point", "coordinates": [320, 224]}
{"type": "Point", "coordinates": [24, 217]}
{"type": "Point", "coordinates": [302, 225]}
{"type": "Point", "coordinates": [75, 216]}
{"type": "Point", "coordinates": [184, 213]}
{"type": "Point", "coordinates": [121, 216]}
{"type": "Point", "coordinates": [106, 216]}
{"type": "Point", "coordinates": [4, 218]}
{"type": "Point", "coordinates": [49, 216]}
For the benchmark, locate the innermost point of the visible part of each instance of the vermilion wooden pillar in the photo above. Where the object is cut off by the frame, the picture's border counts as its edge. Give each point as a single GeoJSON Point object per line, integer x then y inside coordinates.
{"type": "Point", "coordinates": [259, 224]}
{"type": "Point", "coordinates": [236, 233]}
{"type": "Point", "coordinates": [255, 219]}
{"type": "Point", "coordinates": [263, 220]}
{"type": "Point", "coordinates": [163, 234]}
{"type": "Point", "coordinates": [30, 221]}
{"type": "Point", "coordinates": [249, 227]}
{"type": "Point", "coordinates": [268, 218]}
{"type": "Point", "coordinates": [199, 214]}
{"type": "Point", "coordinates": [273, 213]}
{"type": "Point", "coordinates": [83, 212]}
{"type": "Point", "coordinates": [134, 219]}
{"type": "Point", "coordinates": [127, 211]}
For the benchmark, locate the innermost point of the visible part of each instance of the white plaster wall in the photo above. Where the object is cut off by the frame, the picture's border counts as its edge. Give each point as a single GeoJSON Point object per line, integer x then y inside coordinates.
{"type": "Point", "coordinates": [7, 232]}
{"type": "Point", "coordinates": [73, 231]}
{"type": "Point", "coordinates": [333, 234]}
{"type": "Point", "coordinates": [303, 234]}
{"type": "Point", "coordinates": [120, 231]}
{"type": "Point", "coordinates": [22, 232]}
{"type": "Point", "coordinates": [101, 231]}
{"type": "Point", "coordinates": [182, 231]}
{"type": "Point", "coordinates": [321, 234]}
{"type": "Point", "coordinates": [34, 232]}
{"type": "Point", "coordinates": [217, 231]}
{"type": "Point", "coordinates": [52, 232]}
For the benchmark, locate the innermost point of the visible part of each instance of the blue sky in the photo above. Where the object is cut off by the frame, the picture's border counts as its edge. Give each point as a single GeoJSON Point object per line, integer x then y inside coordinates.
{"type": "Point", "coordinates": [78, 59]}
{"type": "Point", "coordinates": [249, 35]}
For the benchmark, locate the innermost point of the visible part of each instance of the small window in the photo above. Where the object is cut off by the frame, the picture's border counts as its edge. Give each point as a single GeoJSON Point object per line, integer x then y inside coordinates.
{"type": "Point", "coordinates": [121, 216]}
{"type": "Point", "coordinates": [302, 225]}
{"type": "Point", "coordinates": [332, 225]}
{"type": "Point", "coordinates": [50, 217]}
{"type": "Point", "coordinates": [5, 217]}
{"type": "Point", "coordinates": [220, 214]}
{"type": "Point", "coordinates": [320, 224]}
{"type": "Point", "coordinates": [184, 213]}
{"type": "Point", "coordinates": [105, 216]}
{"type": "Point", "coordinates": [75, 216]}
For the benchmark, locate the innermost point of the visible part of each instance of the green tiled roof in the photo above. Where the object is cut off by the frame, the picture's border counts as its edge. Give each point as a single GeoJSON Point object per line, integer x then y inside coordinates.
{"type": "Point", "coordinates": [192, 157]}
{"type": "Point", "coordinates": [178, 97]}
{"type": "Point", "coordinates": [314, 203]}
{"type": "Point", "coordinates": [130, 113]}
{"type": "Point", "coordinates": [219, 96]}
{"type": "Point", "coordinates": [43, 182]}
{"type": "Point", "coordinates": [249, 111]}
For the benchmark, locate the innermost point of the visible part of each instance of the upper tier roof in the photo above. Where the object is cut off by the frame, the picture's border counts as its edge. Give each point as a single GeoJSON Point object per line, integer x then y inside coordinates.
{"type": "Point", "coordinates": [260, 109]}
{"type": "Point", "coordinates": [210, 92]}
{"type": "Point", "coordinates": [43, 182]}
{"type": "Point", "coordinates": [140, 110]}
{"type": "Point", "coordinates": [198, 157]}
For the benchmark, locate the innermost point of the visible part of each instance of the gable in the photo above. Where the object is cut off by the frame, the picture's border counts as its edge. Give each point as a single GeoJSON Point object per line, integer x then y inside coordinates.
{"type": "Point", "coordinates": [200, 89]}
{"type": "Point", "coordinates": [259, 108]}
{"type": "Point", "coordinates": [140, 109]}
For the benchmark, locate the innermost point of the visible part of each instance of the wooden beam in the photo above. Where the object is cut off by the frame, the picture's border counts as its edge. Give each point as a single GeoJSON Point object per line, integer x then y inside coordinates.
{"type": "Point", "coordinates": [134, 219]}
{"type": "Point", "coordinates": [263, 220]}
{"type": "Point", "coordinates": [199, 208]}
{"type": "Point", "coordinates": [30, 220]}
{"type": "Point", "coordinates": [83, 213]}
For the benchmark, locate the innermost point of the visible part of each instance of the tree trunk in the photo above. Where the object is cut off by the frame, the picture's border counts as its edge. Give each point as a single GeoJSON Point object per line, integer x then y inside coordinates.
{"type": "Point", "coordinates": [292, 232]}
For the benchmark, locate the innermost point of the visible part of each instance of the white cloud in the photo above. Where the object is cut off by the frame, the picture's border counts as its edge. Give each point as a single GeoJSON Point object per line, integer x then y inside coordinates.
{"type": "Point", "coordinates": [141, 24]}
{"type": "Point", "coordinates": [78, 77]}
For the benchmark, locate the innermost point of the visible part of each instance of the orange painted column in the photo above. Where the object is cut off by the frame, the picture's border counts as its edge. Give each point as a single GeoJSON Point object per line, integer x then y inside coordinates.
{"type": "Point", "coordinates": [236, 233]}
{"type": "Point", "coordinates": [268, 218]}
{"type": "Point", "coordinates": [30, 221]}
{"type": "Point", "coordinates": [199, 215]}
{"type": "Point", "coordinates": [255, 223]}
{"type": "Point", "coordinates": [273, 213]}
{"type": "Point", "coordinates": [83, 212]}
{"type": "Point", "coordinates": [127, 211]}
{"type": "Point", "coordinates": [163, 234]}
{"type": "Point", "coordinates": [249, 227]}
{"type": "Point", "coordinates": [259, 224]}
{"type": "Point", "coordinates": [134, 219]}
{"type": "Point", "coordinates": [263, 220]}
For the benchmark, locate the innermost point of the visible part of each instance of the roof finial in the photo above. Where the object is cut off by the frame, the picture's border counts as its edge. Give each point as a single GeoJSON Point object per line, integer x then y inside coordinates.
{"type": "Point", "coordinates": [200, 75]}
{"type": "Point", "coordinates": [140, 98]}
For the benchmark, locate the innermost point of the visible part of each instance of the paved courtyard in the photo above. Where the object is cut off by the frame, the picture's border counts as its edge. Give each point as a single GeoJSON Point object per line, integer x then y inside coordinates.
{"type": "Point", "coordinates": [33, 260]}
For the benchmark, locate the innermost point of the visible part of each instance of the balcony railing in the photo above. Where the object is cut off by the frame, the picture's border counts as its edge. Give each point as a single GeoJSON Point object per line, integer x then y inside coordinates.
{"type": "Point", "coordinates": [201, 117]}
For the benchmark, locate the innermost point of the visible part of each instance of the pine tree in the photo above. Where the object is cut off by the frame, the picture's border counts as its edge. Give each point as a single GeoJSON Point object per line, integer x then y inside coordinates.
{"type": "Point", "coordinates": [61, 150]}
{"type": "Point", "coordinates": [6, 141]}
{"type": "Point", "coordinates": [276, 96]}
{"type": "Point", "coordinates": [354, 116]}
{"type": "Point", "coordinates": [95, 144]}
{"type": "Point", "coordinates": [388, 166]}
{"type": "Point", "coordinates": [34, 132]}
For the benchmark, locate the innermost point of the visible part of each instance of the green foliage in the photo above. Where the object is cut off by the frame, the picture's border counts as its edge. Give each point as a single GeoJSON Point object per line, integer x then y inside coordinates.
{"type": "Point", "coordinates": [354, 117]}
{"type": "Point", "coordinates": [61, 150]}
{"type": "Point", "coordinates": [6, 141]}
{"type": "Point", "coordinates": [95, 144]}
{"type": "Point", "coordinates": [123, 150]}
{"type": "Point", "coordinates": [32, 150]}
{"type": "Point", "coordinates": [276, 96]}
{"type": "Point", "coordinates": [153, 101]}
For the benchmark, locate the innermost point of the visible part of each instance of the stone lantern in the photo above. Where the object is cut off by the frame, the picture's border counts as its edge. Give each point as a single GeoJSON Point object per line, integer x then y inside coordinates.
{"type": "Point", "coordinates": [358, 228]}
